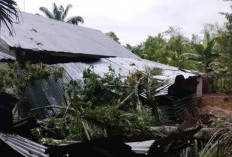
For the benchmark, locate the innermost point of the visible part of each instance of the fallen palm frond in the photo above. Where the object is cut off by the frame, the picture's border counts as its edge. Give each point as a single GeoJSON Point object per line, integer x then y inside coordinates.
{"type": "Point", "coordinates": [218, 146]}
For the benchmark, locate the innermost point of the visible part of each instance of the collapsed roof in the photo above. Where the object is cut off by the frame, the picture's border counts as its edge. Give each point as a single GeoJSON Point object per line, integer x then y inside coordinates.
{"type": "Point", "coordinates": [15, 145]}
{"type": "Point", "coordinates": [124, 66]}
{"type": "Point", "coordinates": [47, 92]}
{"type": "Point", "coordinates": [39, 34]}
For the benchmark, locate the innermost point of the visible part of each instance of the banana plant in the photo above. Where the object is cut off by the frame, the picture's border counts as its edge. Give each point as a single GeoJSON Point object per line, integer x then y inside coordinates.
{"type": "Point", "coordinates": [203, 53]}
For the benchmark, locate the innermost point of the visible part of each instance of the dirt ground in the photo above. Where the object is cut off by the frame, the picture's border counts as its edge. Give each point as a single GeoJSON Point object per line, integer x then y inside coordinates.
{"type": "Point", "coordinates": [215, 117]}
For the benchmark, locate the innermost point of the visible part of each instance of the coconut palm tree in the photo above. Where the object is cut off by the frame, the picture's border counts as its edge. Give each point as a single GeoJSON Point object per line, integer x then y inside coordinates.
{"type": "Point", "coordinates": [60, 14]}
{"type": "Point", "coordinates": [8, 10]}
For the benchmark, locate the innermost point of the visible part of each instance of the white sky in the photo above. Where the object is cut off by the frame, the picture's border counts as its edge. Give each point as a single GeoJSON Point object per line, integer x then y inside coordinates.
{"type": "Point", "coordinates": [134, 20]}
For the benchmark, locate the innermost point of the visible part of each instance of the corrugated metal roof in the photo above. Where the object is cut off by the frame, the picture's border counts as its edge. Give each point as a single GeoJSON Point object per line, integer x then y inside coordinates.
{"type": "Point", "coordinates": [28, 148]}
{"type": "Point", "coordinates": [124, 66]}
{"type": "Point", "coordinates": [45, 92]}
{"type": "Point", "coordinates": [141, 147]}
{"type": "Point", "coordinates": [23, 146]}
{"type": "Point", "coordinates": [6, 57]}
{"type": "Point", "coordinates": [112, 146]}
{"type": "Point", "coordinates": [38, 33]}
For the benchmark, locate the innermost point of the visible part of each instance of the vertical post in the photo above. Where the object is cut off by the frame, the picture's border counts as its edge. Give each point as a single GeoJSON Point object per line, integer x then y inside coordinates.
{"type": "Point", "coordinates": [24, 5]}
{"type": "Point", "coordinates": [199, 86]}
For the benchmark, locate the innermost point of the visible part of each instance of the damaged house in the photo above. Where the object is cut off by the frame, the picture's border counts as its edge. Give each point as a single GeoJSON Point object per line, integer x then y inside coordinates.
{"type": "Point", "coordinates": [37, 39]}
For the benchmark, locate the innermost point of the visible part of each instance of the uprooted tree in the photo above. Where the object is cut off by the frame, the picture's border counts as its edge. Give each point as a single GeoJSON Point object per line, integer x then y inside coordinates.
{"type": "Point", "coordinates": [97, 106]}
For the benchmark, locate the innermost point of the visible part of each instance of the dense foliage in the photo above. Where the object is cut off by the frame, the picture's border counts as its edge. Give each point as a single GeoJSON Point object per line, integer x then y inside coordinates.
{"type": "Point", "coordinates": [173, 48]}
{"type": "Point", "coordinates": [211, 54]}
{"type": "Point", "coordinates": [106, 106]}
{"type": "Point", "coordinates": [14, 77]}
{"type": "Point", "coordinates": [219, 145]}
{"type": "Point", "coordinates": [100, 106]}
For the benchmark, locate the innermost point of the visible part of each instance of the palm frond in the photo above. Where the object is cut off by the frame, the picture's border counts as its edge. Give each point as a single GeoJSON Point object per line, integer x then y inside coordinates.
{"type": "Point", "coordinates": [206, 39]}
{"type": "Point", "coordinates": [56, 12]}
{"type": "Point", "coordinates": [190, 56]}
{"type": "Point", "coordinates": [47, 12]}
{"type": "Point", "coordinates": [55, 9]}
{"type": "Point", "coordinates": [66, 11]}
{"type": "Point", "coordinates": [218, 146]}
{"type": "Point", "coordinates": [61, 8]}
{"type": "Point", "coordinates": [75, 20]}
{"type": "Point", "coordinates": [8, 10]}
{"type": "Point", "coordinates": [209, 47]}
{"type": "Point", "coordinates": [60, 13]}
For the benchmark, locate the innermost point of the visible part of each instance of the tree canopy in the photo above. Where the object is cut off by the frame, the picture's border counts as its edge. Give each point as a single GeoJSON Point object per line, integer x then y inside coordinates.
{"type": "Point", "coordinates": [210, 54]}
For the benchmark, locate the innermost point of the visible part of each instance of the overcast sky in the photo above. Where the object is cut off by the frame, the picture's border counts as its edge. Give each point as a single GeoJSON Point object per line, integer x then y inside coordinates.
{"type": "Point", "coordinates": [134, 20]}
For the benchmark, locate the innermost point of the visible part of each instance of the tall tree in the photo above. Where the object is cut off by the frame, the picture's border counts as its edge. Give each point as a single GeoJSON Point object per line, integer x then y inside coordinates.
{"type": "Point", "coordinates": [154, 49]}
{"type": "Point", "coordinates": [8, 10]}
{"type": "Point", "coordinates": [60, 14]}
{"type": "Point", "coordinates": [227, 38]}
{"type": "Point", "coordinates": [151, 49]}
{"type": "Point", "coordinates": [170, 50]}
{"type": "Point", "coordinates": [176, 47]}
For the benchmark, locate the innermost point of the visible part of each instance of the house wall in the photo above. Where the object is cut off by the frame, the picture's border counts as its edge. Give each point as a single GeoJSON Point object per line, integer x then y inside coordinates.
{"type": "Point", "coordinates": [207, 84]}
{"type": "Point", "coordinates": [5, 48]}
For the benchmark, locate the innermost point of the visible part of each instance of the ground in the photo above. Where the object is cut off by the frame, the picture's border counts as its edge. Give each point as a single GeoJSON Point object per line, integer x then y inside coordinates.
{"type": "Point", "coordinates": [217, 117]}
